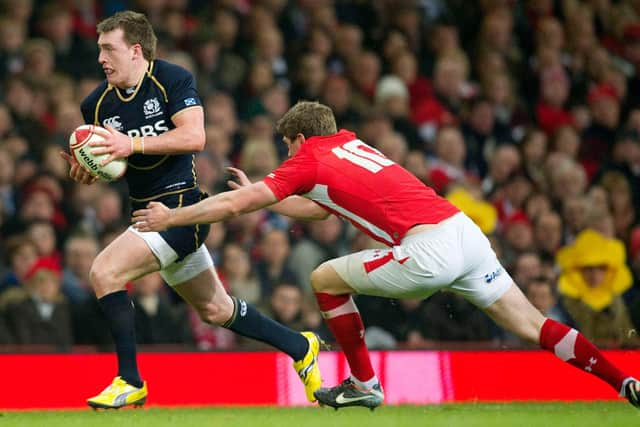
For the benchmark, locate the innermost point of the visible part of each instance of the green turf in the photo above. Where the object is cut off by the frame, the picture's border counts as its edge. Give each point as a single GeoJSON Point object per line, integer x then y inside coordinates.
{"type": "Point", "coordinates": [597, 414]}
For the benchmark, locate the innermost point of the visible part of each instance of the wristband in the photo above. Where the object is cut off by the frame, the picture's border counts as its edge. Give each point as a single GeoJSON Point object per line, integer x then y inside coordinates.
{"type": "Point", "coordinates": [137, 145]}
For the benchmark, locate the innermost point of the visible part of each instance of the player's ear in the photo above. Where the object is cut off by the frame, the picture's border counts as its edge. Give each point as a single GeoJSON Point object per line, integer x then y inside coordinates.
{"type": "Point", "coordinates": [137, 50]}
{"type": "Point", "coordinates": [300, 137]}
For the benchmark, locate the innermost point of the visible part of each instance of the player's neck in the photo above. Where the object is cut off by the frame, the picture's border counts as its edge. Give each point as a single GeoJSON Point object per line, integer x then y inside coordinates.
{"type": "Point", "coordinates": [136, 76]}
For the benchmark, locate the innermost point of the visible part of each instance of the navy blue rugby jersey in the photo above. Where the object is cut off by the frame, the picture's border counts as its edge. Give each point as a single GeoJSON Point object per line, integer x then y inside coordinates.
{"type": "Point", "coordinates": [166, 90]}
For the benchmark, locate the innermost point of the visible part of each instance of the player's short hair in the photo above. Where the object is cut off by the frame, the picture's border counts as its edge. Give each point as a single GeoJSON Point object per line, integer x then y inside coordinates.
{"type": "Point", "coordinates": [136, 28]}
{"type": "Point", "coordinates": [308, 118]}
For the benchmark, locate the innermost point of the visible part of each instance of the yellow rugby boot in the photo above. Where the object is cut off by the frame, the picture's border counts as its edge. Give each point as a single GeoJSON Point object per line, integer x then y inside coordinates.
{"type": "Point", "coordinates": [118, 394]}
{"type": "Point", "coordinates": [307, 367]}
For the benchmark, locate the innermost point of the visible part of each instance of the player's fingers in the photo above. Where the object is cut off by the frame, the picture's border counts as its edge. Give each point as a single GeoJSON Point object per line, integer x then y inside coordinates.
{"type": "Point", "coordinates": [105, 133]}
{"type": "Point", "coordinates": [88, 180]}
{"type": "Point", "coordinates": [75, 172]}
{"type": "Point", "coordinates": [141, 225]}
{"type": "Point", "coordinates": [234, 185]}
{"type": "Point", "coordinates": [151, 205]}
{"type": "Point", "coordinates": [240, 175]}
{"type": "Point", "coordinates": [100, 143]}
{"type": "Point", "coordinates": [102, 150]}
{"type": "Point", "coordinates": [139, 213]}
{"type": "Point", "coordinates": [235, 171]}
{"type": "Point", "coordinates": [84, 175]}
{"type": "Point", "coordinates": [110, 128]}
{"type": "Point", "coordinates": [69, 158]}
{"type": "Point", "coordinates": [108, 160]}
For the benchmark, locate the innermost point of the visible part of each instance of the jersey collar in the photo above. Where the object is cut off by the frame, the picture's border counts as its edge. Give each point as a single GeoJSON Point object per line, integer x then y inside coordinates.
{"type": "Point", "coordinates": [129, 98]}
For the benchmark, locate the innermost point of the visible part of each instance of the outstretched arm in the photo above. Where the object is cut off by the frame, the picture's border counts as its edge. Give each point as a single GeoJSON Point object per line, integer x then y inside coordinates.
{"type": "Point", "coordinates": [296, 207]}
{"type": "Point", "coordinates": [301, 208]}
{"type": "Point", "coordinates": [157, 217]}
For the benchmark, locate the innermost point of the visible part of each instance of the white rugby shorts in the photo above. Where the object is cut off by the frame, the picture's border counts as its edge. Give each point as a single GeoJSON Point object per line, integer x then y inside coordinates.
{"type": "Point", "coordinates": [455, 255]}
{"type": "Point", "coordinates": [172, 271]}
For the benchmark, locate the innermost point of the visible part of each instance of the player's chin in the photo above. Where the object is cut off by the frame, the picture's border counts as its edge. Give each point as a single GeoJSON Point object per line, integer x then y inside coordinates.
{"type": "Point", "coordinates": [111, 76]}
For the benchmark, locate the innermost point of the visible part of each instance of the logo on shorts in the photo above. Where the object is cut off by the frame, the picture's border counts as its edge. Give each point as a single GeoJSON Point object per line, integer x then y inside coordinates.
{"type": "Point", "coordinates": [488, 278]}
{"type": "Point", "coordinates": [243, 308]}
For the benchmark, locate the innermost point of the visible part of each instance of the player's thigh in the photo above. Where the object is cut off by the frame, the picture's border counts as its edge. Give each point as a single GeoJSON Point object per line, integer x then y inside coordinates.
{"type": "Point", "coordinates": [326, 279]}
{"type": "Point", "coordinates": [195, 279]}
{"type": "Point", "coordinates": [483, 279]}
{"type": "Point", "coordinates": [379, 272]}
{"type": "Point", "coordinates": [125, 259]}
{"type": "Point", "coordinates": [513, 312]}
{"type": "Point", "coordinates": [207, 295]}
{"type": "Point", "coordinates": [200, 289]}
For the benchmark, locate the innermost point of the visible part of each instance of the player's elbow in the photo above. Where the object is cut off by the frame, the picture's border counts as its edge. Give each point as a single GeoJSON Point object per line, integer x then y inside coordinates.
{"type": "Point", "coordinates": [320, 215]}
{"type": "Point", "coordinates": [230, 206]}
{"type": "Point", "coordinates": [234, 210]}
{"type": "Point", "coordinates": [199, 139]}
{"type": "Point", "coordinates": [316, 213]}
{"type": "Point", "coordinates": [196, 138]}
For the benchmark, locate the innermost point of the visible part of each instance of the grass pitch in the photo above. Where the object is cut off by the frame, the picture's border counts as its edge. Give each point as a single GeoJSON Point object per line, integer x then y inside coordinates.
{"type": "Point", "coordinates": [583, 414]}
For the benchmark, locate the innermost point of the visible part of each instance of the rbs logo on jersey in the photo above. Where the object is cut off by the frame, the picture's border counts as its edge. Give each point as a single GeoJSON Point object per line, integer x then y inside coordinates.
{"type": "Point", "coordinates": [155, 129]}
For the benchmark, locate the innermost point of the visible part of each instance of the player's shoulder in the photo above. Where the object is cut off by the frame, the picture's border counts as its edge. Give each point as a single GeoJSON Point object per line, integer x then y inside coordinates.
{"type": "Point", "coordinates": [92, 99]}
{"type": "Point", "coordinates": [168, 73]}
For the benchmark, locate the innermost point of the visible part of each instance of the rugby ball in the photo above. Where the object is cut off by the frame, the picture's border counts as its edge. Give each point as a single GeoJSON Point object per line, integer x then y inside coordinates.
{"type": "Point", "coordinates": [81, 151]}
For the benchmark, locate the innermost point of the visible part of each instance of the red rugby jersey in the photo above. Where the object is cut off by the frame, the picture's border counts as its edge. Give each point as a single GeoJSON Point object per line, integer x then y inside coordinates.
{"type": "Point", "coordinates": [357, 182]}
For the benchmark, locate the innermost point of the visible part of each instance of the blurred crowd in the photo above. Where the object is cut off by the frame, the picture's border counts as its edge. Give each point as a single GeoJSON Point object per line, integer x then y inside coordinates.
{"type": "Point", "coordinates": [526, 114]}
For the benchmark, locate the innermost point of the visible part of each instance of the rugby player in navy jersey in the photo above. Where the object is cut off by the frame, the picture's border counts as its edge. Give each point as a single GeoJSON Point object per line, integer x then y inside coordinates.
{"type": "Point", "coordinates": [154, 118]}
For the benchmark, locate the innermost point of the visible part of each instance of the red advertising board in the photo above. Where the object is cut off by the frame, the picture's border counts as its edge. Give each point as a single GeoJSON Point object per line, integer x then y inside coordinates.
{"type": "Point", "coordinates": [195, 379]}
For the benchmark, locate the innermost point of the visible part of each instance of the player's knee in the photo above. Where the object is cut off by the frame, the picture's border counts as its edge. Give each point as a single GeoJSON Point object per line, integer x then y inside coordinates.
{"type": "Point", "coordinates": [532, 335]}
{"type": "Point", "coordinates": [318, 279]}
{"type": "Point", "coordinates": [213, 313]}
{"type": "Point", "coordinates": [103, 281]}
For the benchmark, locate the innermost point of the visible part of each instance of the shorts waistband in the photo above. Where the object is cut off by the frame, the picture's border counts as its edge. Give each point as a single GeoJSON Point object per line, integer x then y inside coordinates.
{"type": "Point", "coordinates": [455, 218]}
{"type": "Point", "coordinates": [160, 195]}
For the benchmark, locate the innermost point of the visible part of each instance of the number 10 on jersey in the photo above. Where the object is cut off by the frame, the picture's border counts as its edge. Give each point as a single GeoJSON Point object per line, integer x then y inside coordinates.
{"type": "Point", "coordinates": [353, 151]}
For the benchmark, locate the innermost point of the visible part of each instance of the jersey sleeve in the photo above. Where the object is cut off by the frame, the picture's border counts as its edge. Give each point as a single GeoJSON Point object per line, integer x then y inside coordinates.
{"type": "Point", "coordinates": [296, 175]}
{"type": "Point", "coordinates": [86, 113]}
{"type": "Point", "coordinates": [182, 91]}
{"type": "Point", "coordinates": [88, 105]}
{"type": "Point", "coordinates": [88, 110]}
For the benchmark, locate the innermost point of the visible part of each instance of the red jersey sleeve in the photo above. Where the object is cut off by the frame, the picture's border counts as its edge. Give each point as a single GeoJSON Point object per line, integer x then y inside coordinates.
{"type": "Point", "coordinates": [296, 175]}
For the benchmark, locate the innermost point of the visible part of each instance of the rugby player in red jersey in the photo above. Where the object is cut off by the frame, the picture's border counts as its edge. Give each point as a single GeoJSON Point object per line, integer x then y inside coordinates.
{"type": "Point", "coordinates": [431, 246]}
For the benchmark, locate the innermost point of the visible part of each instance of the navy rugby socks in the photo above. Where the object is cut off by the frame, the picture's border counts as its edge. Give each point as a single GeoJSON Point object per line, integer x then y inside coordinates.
{"type": "Point", "coordinates": [249, 322]}
{"type": "Point", "coordinates": [119, 311]}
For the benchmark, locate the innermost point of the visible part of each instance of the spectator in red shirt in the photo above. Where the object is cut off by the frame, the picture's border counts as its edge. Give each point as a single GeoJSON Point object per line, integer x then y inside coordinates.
{"type": "Point", "coordinates": [447, 167]}
{"type": "Point", "coordinates": [598, 138]}
{"type": "Point", "coordinates": [405, 66]}
{"type": "Point", "coordinates": [450, 86]}
{"type": "Point", "coordinates": [554, 92]}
